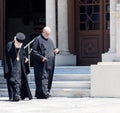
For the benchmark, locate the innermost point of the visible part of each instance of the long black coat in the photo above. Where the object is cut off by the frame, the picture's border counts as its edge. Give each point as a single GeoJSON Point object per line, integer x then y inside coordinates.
{"type": "Point", "coordinates": [10, 57]}
{"type": "Point", "coordinates": [43, 70]}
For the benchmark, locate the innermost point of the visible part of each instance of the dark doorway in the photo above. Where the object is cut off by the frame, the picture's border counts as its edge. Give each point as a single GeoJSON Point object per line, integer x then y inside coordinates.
{"type": "Point", "coordinates": [27, 16]}
{"type": "Point", "coordinates": [92, 30]}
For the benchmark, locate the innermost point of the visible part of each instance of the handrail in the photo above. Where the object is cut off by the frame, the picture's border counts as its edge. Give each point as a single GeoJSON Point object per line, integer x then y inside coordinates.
{"type": "Point", "coordinates": [29, 43]}
{"type": "Point", "coordinates": [29, 49]}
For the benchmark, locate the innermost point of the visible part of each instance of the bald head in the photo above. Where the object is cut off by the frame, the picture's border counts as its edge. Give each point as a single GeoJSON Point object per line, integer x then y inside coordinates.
{"type": "Point", "coordinates": [46, 32]}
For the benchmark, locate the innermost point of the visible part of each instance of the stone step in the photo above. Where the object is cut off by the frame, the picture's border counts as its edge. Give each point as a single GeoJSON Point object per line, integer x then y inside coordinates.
{"type": "Point", "coordinates": [60, 77]}
{"type": "Point", "coordinates": [69, 70]}
{"type": "Point", "coordinates": [68, 81]}
{"type": "Point", "coordinates": [67, 92]}
{"type": "Point", "coordinates": [3, 92]}
{"type": "Point", "coordinates": [71, 77]}
{"type": "Point", "coordinates": [71, 84]}
{"type": "Point", "coordinates": [66, 77]}
{"type": "Point", "coordinates": [64, 70]}
{"type": "Point", "coordinates": [67, 84]}
{"type": "Point", "coordinates": [57, 92]}
{"type": "Point", "coordinates": [59, 84]}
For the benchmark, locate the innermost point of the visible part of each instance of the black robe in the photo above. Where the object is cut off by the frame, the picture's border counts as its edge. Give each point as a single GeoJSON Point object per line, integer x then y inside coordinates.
{"type": "Point", "coordinates": [43, 70]}
{"type": "Point", "coordinates": [15, 73]}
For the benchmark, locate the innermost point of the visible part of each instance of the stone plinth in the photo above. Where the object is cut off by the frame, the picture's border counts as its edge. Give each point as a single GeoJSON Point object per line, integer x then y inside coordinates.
{"type": "Point", "coordinates": [105, 79]}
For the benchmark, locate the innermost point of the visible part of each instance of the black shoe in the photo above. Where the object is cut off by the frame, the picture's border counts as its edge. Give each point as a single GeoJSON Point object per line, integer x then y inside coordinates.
{"type": "Point", "coordinates": [46, 96]}
{"type": "Point", "coordinates": [43, 97]}
{"type": "Point", "coordinates": [16, 98]}
{"type": "Point", "coordinates": [10, 99]}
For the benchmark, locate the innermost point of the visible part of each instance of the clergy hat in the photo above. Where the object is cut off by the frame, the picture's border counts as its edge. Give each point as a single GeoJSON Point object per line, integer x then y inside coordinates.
{"type": "Point", "coordinates": [20, 37]}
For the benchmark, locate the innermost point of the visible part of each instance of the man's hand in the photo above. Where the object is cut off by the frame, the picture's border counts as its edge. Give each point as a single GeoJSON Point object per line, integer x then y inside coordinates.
{"type": "Point", "coordinates": [56, 51]}
{"type": "Point", "coordinates": [26, 60]}
{"type": "Point", "coordinates": [44, 59]}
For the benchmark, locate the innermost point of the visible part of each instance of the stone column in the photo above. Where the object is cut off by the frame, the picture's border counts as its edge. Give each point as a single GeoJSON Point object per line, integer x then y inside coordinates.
{"type": "Point", "coordinates": [64, 58]}
{"type": "Point", "coordinates": [63, 26]}
{"type": "Point", "coordinates": [51, 18]}
{"type": "Point", "coordinates": [118, 31]}
{"type": "Point", "coordinates": [111, 54]}
{"type": "Point", "coordinates": [113, 4]}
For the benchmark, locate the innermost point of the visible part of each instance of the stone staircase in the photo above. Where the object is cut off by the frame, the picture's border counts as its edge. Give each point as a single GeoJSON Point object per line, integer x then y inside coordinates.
{"type": "Point", "coordinates": [68, 81]}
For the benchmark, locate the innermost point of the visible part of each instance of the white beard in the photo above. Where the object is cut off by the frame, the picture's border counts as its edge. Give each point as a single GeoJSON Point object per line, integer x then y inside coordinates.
{"type": "Point", "coordinates": [17, 45]}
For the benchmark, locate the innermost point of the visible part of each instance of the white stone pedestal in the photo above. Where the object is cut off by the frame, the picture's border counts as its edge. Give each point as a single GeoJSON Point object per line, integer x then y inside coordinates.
{"type": "Point", "coordinates": [105, 79]}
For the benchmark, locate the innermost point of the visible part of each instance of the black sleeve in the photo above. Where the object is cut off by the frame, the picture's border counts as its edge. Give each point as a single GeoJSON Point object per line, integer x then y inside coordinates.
{"type": "Point", "coordinates": [36, 50]}
{"type": "Point", "coordinates": [7, 62]}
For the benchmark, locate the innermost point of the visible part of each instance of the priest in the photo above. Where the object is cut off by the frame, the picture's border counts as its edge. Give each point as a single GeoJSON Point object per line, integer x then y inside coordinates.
{"type": "Point", "coordinates": [43, 54]}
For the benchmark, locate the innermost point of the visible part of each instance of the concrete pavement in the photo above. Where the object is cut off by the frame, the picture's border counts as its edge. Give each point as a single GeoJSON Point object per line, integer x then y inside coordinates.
{"type": "Point", "coordinates": [61, 105]}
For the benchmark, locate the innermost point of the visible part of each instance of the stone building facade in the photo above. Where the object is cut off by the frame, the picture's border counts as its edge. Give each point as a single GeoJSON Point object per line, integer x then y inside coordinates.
{"type": "Point", "coordinates": [81, 29]}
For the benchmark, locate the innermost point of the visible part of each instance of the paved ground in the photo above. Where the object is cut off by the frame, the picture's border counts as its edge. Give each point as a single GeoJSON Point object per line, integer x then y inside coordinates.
{"type": "Point", "coordinates": [61, 105]}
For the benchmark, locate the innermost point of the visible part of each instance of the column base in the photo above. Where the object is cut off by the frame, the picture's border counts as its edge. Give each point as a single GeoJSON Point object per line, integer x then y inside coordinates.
{"type": "Point", "coordinates": [116, 59]}
{"type": "Point", "coordinates": [65, 60]}
{"type": "Point", "coordinates": [106, 57]}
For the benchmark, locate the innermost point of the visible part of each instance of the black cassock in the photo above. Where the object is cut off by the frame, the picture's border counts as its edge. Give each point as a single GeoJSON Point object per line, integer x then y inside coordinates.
{"type": "Point", "coordinates": [15, 73]}
{"type": "Point", "coordinates": [43, 70]}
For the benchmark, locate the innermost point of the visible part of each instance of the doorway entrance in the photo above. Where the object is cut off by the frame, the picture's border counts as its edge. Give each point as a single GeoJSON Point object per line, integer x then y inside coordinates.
{"type": "Point", "coordinates": [27, 16]}
{"type": "Point", "coordinates": [92, 30]}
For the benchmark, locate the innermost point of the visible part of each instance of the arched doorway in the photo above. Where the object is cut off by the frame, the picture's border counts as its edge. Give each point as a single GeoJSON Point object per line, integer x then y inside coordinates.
{"type": "Point", "coordinates": [92, 30]}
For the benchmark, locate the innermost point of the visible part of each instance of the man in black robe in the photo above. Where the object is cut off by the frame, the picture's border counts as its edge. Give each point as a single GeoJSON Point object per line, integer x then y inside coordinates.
{"type": "Point", "coordinates": [43, 52]}
{"type": "Point", "coordinates": [14, 69]}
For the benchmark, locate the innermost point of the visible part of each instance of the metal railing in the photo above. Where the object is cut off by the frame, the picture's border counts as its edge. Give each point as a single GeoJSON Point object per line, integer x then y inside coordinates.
{"type": "Point", "coordinates": [29, 49]}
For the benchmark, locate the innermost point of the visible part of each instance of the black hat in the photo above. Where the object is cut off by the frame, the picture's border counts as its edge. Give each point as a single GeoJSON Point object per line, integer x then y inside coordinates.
{"type": "Point", "coordinates": [20, 37]}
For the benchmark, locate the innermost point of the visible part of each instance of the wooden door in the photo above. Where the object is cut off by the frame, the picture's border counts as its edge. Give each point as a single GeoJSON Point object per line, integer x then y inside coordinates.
{"type": "Point", "coordinates": [92, 17]}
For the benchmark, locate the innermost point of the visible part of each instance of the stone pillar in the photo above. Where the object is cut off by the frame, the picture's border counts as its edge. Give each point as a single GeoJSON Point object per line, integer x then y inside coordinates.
{"type": "Point", "coordinates": [51, 18]}
{"type": "Point", "coordinates": [111, 54]}
{"type": "Point", "coordinates": [63, 26]}
{"type": "Point", "coordinates": [118, 32]}
{"type": "Point", "coordinates": [113, 4]}
{"type": "Point", "coordinates": [64, 58]}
